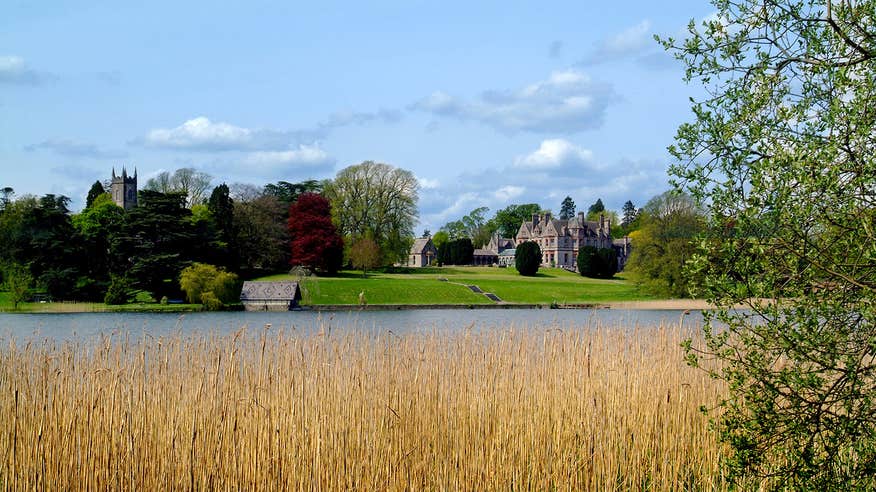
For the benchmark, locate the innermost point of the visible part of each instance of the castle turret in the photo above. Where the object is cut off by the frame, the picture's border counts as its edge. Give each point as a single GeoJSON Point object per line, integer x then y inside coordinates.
{"type": "Point", "coordinates": [124, 189]}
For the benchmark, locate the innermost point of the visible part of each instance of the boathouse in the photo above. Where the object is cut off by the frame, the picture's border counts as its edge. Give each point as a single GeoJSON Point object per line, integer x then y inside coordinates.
{"type": "Point", "coordinates": [270, 296]}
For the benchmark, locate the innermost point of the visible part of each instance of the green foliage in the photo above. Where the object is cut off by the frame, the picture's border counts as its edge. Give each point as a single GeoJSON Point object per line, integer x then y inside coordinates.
{"type": "Point", "coordinates": [781, 152]}
{"type": "Point", "coordinates": [119, 291]}
{"type": "Point", "coordinates": [155, 242]}
{"type": "Point", "coordinates": [527, 258]}
{"type": "Point", "coordinates": [508, 220]}
{"type": "Point", "coordinates": [663, 245]}
{"type": "Point", "coordinates": [95, 191]}
{"type": "Point", "coordinates": [17, 281]}
{"type": "Point", "coordinates": [567, 208]}
{"type": "Point", "coordinates": [260, 237]}
{"type": "Point", "coordinates": [205, 284]}
{"type": "Point", "coordinates": [596, 262]}
{"type": "Point", "coordinates": [456, 252]}
{"type": "Point", "coordinates": [365, 255]}
{"type": "Point", "coordinates": [440, 238]}
{"type": "Point", "coordinates": [596, 208]}
{"type": "Point", "coordinates": [473, 226]}
{"type": "Point", "coordinates": [377, 200]}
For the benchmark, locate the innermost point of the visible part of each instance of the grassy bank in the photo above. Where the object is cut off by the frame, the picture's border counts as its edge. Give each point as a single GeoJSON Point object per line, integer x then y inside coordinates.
{"type": "Point", "coordinates": [448, 286]}
{"type": "Point", "coordinates": [523, 408]}
{"type": "Point", "coordinates": [6, 306]}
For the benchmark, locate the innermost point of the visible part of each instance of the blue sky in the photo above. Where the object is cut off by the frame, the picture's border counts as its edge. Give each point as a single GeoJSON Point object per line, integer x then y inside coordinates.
{"type": "Point", "coordinates": [488, 103]}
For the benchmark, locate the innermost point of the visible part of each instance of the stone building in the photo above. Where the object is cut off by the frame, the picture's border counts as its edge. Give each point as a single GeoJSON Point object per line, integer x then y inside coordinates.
{"type": "Point", "coordinates": [124, 189]}
{"type": "Point", "coordinates": [423, 253]}
{"type": "Point", "coordinates": [270, 296]}
{"type": "Point", "coordinates": [560, 239]}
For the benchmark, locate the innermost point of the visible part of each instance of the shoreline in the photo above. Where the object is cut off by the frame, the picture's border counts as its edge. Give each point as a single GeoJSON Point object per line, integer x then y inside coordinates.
{"type": "Point", "coordinates": [654, 305]}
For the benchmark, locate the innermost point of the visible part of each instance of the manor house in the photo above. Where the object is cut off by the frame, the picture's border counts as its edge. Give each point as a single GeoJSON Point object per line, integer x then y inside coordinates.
{"type": "Point", "coordinates": [560, 239]}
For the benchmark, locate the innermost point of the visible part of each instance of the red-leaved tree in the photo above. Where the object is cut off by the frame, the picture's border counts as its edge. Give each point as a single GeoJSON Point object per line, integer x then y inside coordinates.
{"type": "Point", "coordinates": [315, 241]}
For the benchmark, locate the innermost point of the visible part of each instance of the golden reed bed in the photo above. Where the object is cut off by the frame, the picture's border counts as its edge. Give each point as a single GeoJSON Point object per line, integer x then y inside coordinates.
{"type": "Point", "coordinates": [520, 408]}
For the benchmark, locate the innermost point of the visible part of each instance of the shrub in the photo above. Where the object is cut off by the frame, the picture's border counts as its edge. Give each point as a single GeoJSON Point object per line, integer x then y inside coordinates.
{"type": "Point", "coordinates": [596, 262]}
{"type": "Point", "coordinates": [118, 292]}
{"type": "Point", "coordinates": [527, 258]}
{"type": "Point", "coordinates": [200, 279]}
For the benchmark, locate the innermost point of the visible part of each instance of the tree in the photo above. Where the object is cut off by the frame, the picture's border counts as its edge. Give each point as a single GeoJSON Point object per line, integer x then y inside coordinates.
{"type": "Point", "coordinates": [96, 190]}
{"type": "Point", "coordinates": [193, 184]}
{"type": "Point", "coordinates": [456, 252]}
{"type": "Point", "coordinates": [629, 213]}
{"type": "Point", "coordinates": [261, 236]}
{"type": "Point", "coordinates": [155, 242]}
{"type": "Point", "coordinates": [95, 227]}
{"type": "Point", "coordinates": [287, 193]}
{"type": "Point", "coordinates": [596, 262]}
{"type": "Point", "coordinates": [378, 200]}
{"type": "Point", "coordinates": [6, 196]}
{"type": "Point", "coordinates": [365, 255]}
{"type": "Point", "coordinates": [508, 220]}
{"type": "Point", "coordinates": [567, 209]}
{"type": "Point", "coordinates": [664, 243]}
{"type": "Point", "coordinates": [315, 242]}
{"type": "Point", "coordinates": [199, 279]}
{"type": "Point", "coordinates": [221, 207]}
{"type": "Point", "coordinates": [17, 281]}
{"type": "Point", "coordinates": [781, 151]}
{"type": "Point", "coordinates": [527, 258]}
{"type": "Point", "coordinates": [596, 208]}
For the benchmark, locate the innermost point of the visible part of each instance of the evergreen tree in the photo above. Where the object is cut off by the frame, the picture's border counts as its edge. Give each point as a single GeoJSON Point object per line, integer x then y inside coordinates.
{"type": "Point", "coordinates": [527, 258]}
{"type": "Point", "coordinates": [567, 209]}
{"type": "Point", "coordinates": [596, 208]}
{"type": "Point", "coordinates": [96, 190]}
{"type": "Point", "coordinates": [629, 213]}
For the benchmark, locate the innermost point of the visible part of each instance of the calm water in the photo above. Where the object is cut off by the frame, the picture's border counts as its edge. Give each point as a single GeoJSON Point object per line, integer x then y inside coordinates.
{"type": "Point", "coordinates": [85, 325]}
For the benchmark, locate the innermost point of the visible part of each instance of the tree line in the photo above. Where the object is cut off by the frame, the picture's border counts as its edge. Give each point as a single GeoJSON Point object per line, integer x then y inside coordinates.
{"type": "Point", "coordinates": [106, 254]}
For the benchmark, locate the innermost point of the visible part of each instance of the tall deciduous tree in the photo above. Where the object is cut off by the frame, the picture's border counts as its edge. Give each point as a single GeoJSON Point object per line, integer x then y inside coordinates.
{"type": "Point", "coordinates": [315, 242]}
{"type": "Point", "coordinates": [193, 184]}
{"type": "Point", "coordinates": [664, 244]}
{"type": "Point", "coordinates": [781, 151]}
{"type": "Point", "coordinates": [508, 220]}
{"type": "Point", "coordinates": [567, 208]}
{"type": "Point", "coordinates": [261, 238]}
{"type": "Point", "coordinates": [378, 200]}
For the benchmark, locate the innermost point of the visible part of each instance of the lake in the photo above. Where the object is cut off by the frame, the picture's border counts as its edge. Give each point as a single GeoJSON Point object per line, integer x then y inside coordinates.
{"type": "Point", "coordinates": [84, 325]}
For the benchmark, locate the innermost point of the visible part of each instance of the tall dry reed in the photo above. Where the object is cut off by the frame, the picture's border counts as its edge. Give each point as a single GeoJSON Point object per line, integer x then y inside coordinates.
{"type": "Point", "coordinates": [521, 408]}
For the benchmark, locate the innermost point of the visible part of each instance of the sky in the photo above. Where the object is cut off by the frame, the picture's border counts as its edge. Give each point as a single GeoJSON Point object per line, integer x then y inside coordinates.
{"type": "Point", "coordinates": [487, 103]}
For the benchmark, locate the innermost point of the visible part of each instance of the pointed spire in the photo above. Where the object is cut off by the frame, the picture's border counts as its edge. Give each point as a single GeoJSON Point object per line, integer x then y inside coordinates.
{"type": "Point", "coordinates": [114, 172]}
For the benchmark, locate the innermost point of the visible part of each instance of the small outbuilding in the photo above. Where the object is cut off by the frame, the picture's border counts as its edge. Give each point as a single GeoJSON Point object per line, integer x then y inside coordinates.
{"type": "Point", "coordinates": [484, 257]}
{"type": "Point", "coordinates": [423, 253]}
{"type": "Point", "coordinates": [270, 296]}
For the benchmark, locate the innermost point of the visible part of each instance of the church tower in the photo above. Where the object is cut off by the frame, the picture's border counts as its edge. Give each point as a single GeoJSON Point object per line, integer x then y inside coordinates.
{"type": "Point", "coordinates": [124, 189]}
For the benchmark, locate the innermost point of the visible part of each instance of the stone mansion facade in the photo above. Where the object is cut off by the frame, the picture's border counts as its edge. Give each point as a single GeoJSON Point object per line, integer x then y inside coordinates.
{"type": "Point", "coordinates": [560, 239]}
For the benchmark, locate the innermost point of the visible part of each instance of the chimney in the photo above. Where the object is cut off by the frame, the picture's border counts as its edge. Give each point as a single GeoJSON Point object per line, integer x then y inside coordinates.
{"type": "Point", "coordinates": [534, 219]}
{"type": "Point", "coordinates": [547, 217]}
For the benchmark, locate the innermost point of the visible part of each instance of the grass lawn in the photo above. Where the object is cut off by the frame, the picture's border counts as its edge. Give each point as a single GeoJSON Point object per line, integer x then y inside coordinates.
{"type": "Point", "coordinates": [423, 286]}
{"type": "Point", "coordinates": [85, 307]}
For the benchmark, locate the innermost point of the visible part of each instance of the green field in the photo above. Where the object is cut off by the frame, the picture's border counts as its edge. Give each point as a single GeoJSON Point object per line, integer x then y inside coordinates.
{"type": "Point", "coordinates": [86, 307]}
{"type": "Point", "coordinates": [425, 286]}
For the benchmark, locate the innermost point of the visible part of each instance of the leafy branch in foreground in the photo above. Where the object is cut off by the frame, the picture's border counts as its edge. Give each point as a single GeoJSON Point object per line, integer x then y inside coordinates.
{"type": "Point", "coordinates": [781, 152]}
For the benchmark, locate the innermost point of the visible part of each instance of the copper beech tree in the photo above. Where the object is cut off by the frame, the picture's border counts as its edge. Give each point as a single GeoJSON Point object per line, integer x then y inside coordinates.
{"type": "Point", "coordinates": [314, 239]}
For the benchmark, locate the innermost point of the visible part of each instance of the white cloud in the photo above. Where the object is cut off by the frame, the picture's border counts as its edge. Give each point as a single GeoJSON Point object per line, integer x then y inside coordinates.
{"type": "Point", "coordinates": [567, 102]}
{"type": "Point", "coordinates": [507, 193]}
{"type": "Point", "coordinates": [632, 41]}
{"type": "Point", "coordinates": [14, 70]}
{"type": "Point", "coordinates": [555, 154]}
{"type": "Point", "coordinates": [202, 134]}
{"type": "Point", "coordinates": [304, 156]}
{"type": "Point", "coordinates": [428, 184]}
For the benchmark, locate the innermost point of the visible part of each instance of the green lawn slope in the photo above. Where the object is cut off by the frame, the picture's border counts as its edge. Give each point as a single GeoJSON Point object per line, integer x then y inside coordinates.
{"type": "Point", "coordinates": [448, 286]}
